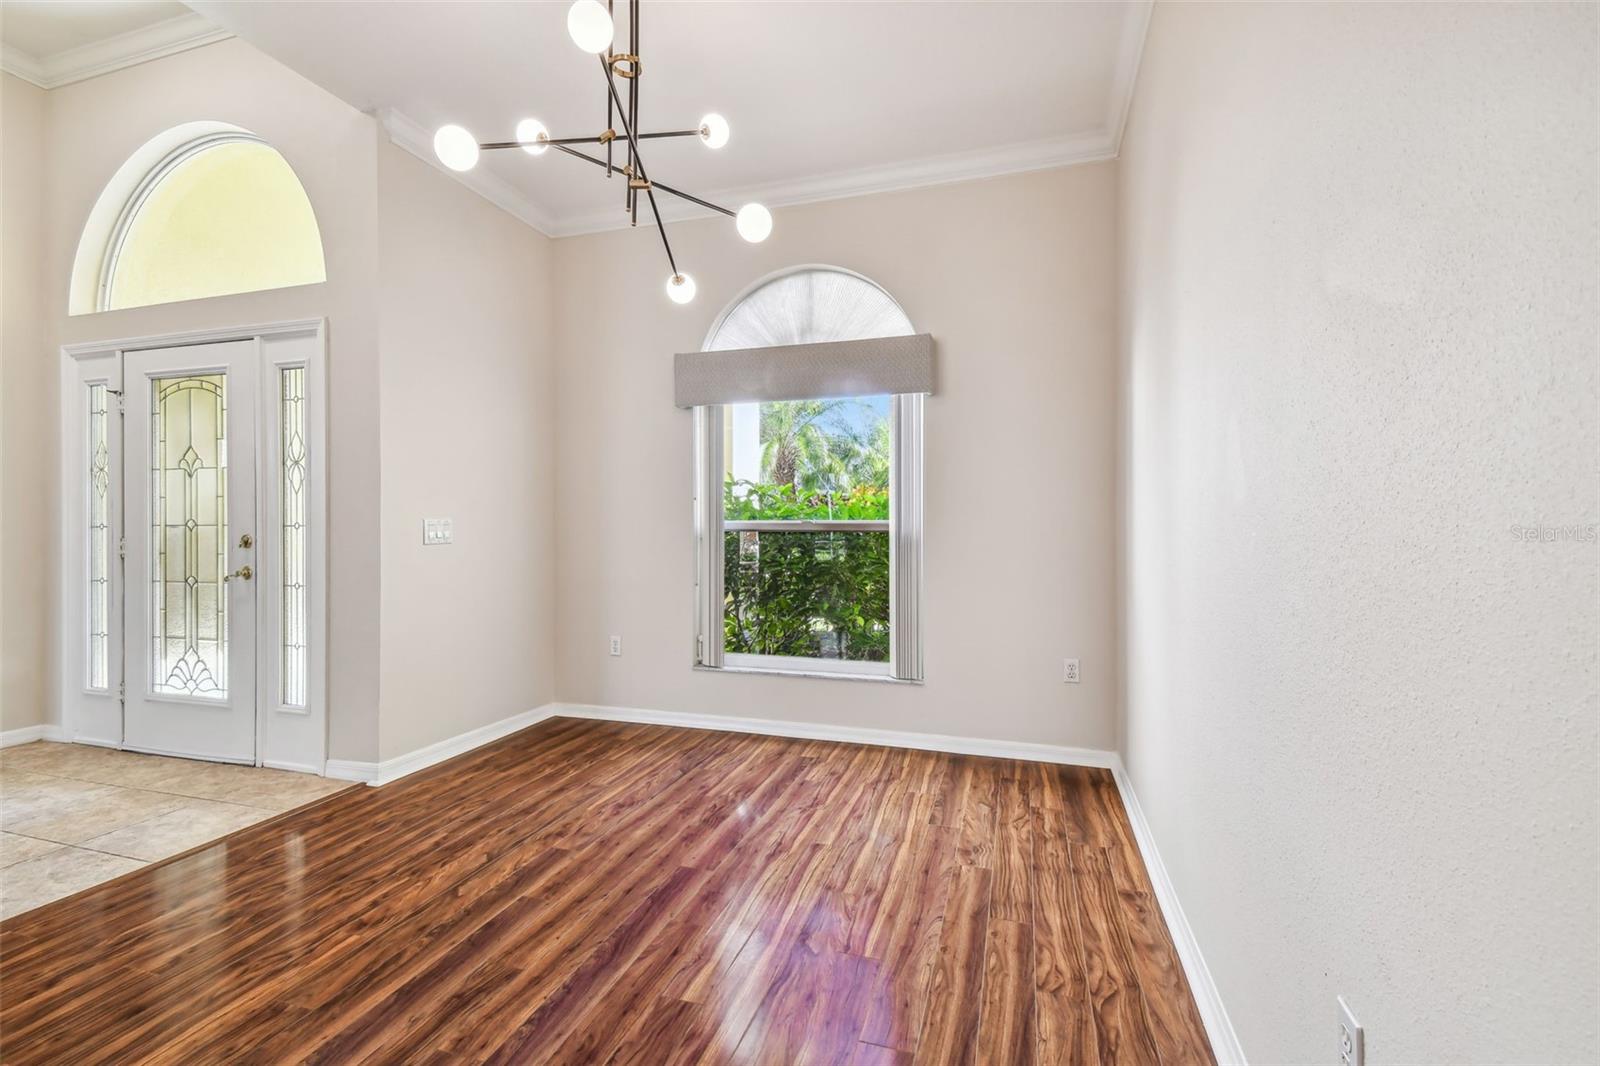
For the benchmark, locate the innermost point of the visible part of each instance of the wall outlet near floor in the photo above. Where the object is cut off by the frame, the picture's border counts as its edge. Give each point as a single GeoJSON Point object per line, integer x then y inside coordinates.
{"type": "Point", "coordinates": [437, 530]}
{"type": "Point", "coordinates": [1352, 1042]}
{"type": "Point", "coordinates": [1069, 673]}
{"type": "Point", "coordinates": [616, 645]}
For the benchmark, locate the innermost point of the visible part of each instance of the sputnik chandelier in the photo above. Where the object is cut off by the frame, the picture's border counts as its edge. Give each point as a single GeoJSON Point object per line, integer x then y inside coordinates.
{"type": "Point", "coordinates": [592, 29]}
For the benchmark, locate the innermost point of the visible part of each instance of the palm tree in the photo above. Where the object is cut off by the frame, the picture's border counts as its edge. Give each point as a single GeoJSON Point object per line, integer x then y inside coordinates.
{"type": "Point", "coordinates": [793, 436]}
{"type": "Point", "coordinates": [868, 462]}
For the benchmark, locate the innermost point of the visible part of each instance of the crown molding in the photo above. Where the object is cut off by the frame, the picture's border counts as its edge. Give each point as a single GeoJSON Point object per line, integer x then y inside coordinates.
{"type": "Point", "coordinates": [405, 132]}
{"type": "Point", "coordinates": [1125, 75]}
{"type": "Point", "coordinates": [156, 41]}
{"type": "Point", "coordinates": [894, 177]}
{"type": "Point", "coordinates": [20, 64]}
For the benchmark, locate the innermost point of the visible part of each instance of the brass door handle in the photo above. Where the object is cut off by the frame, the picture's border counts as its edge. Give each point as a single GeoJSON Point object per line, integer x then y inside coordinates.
{"type": "Point", "coordinates": [244, 573]}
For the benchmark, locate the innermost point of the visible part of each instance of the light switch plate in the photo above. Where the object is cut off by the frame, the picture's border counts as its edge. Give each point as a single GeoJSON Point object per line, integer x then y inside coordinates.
{"type": "Point", "coordinates": [1352, 1040]}
{"type": "Point", "coordinates": [437, 531]}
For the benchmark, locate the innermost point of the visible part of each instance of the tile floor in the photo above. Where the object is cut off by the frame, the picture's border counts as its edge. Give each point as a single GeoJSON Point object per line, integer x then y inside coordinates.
{"type": "Point", "coordinates": [72, 816]}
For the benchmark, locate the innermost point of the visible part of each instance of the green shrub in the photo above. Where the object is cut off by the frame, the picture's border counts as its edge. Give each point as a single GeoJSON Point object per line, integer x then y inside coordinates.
{"type": "Point", "coordinates": [755, 501]}
{"type": "Point", "coordinates": [814, 595]}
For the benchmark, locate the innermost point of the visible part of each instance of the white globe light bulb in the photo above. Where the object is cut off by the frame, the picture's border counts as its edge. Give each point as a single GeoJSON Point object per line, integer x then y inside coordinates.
{"type": "Point", "coordinates": [714, 130]}
{"type": "Point", "coordinates": [456, 148]}
{"type": "Point", "coordinates": [529, 131]}
{"type": "Point", "coordinates": [590, 26]}
{"type": "Point", "coordinates": [680, 287]}
{"type": "Point", "coordinates": [754, 222]}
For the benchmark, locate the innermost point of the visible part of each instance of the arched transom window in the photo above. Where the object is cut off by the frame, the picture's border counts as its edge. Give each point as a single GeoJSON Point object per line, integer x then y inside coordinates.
{"type": "Point", "coordinates": [809, 306]}
{"type": "Point", "coordinates": [202, 210]}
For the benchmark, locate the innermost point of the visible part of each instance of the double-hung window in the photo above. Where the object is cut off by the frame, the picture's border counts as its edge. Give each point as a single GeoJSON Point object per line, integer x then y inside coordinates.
{"type": "Point", "coordinates": [808, 404]}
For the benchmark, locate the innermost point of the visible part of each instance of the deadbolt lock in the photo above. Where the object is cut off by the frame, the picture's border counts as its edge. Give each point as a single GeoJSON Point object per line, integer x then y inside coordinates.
{"type": "Point", "coordinates": [246, 540]}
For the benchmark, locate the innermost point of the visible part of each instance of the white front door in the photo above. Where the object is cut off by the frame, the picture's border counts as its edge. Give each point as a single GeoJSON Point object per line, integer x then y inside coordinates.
{"type": "Point", "coordinates": [190, 525]}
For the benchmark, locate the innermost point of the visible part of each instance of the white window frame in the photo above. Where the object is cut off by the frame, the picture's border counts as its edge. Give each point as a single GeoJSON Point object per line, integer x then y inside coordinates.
{"type": "Point", "coordinates": [142, 192]}
{"type": "Point", "coordinates": [905, 546]}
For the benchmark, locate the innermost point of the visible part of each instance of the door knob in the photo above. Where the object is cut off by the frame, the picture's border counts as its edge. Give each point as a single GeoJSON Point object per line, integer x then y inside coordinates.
{"type": "Point", "coordinates": [244, 573]}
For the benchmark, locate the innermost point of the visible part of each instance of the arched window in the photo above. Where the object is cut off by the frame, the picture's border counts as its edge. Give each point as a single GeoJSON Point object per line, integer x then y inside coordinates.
{"type": "Point", "coordinates": [808, 306]}
{"type": "Point", "coordinates": [205, 209]}
{"type": "Point", "coordinates": [808, 411]}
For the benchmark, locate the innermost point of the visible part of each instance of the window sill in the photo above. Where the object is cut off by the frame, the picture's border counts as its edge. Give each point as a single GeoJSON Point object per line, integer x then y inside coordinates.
{"type": "Point", "coordinates": [820, 675]}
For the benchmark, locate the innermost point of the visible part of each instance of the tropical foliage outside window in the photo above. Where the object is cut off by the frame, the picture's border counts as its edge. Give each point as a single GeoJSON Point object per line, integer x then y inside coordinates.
{"type": "Point", "coordinates": [808, 593]}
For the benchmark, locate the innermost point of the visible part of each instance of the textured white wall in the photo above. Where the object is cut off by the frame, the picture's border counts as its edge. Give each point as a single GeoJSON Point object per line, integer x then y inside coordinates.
{"type": "Point", "coordinates": [1012, 277]}
{"type": "Point", "coordinates": [1358, 339]}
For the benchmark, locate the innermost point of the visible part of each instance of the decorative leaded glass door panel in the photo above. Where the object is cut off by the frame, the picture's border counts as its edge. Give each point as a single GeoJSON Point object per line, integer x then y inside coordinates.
{"type": "Point", "coordinates": [189, 446]}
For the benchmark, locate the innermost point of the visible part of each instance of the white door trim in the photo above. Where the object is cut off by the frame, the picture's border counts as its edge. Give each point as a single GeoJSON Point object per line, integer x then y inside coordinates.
{"type": "Point", "coordinates": [220, 724]}
{"type": "Point", "coordinates": [286, 738]}
{"type": "Point", "coordinates": [89, 715]}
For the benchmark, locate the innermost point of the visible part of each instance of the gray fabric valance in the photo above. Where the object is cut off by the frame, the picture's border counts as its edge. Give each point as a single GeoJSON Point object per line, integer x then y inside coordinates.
{"type": "Point", "coordinates": [805, 371]}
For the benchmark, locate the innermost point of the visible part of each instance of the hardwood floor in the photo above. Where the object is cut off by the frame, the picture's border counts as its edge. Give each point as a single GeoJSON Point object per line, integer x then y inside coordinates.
{"type": "Point", "coordinates": [597, 892]}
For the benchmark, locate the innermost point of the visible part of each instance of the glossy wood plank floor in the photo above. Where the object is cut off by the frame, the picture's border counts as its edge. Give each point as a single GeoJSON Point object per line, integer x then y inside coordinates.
{"type": "Point", "coordinates": [596, 892]}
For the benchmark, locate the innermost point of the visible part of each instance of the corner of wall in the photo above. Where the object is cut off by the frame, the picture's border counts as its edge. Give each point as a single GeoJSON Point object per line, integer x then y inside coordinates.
{"type": "Point", "coordinates": [27, 417]}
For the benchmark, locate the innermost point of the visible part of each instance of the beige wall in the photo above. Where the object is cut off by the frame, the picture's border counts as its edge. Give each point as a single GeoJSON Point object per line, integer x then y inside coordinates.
{"type": "Point", "coordinates": [468, 418]}
{"type": "Point", "coordinates": [1359, 343]}
{"type": "Point", "coordinates": [26, 430]}
{"type": "Point", "coordinates": [91, 127]}
{"type": "Point", "coordinates": [1012, 277]}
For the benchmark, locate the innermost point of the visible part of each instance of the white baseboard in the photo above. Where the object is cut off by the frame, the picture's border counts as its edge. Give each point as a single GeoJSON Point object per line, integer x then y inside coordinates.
{"type": "Point", "coordinates": [888, 738]}
{"type": "Point", "coordinates": [350, 770]}
{"type": "Point", "coordinates": [1224, 1041]}
{"type": "Point", "coordinates": [93, 742]}
{"type": "Point", "coordinates": [30, 733]}
{"type": "Point", "coordinates": [381, 773]}
{"type": "Point", "coordinates": [296, 767]}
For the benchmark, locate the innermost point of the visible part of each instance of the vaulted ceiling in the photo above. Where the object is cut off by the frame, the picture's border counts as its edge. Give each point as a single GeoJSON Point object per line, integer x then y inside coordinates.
{"type": "Point", "coordinates": [826, 98]}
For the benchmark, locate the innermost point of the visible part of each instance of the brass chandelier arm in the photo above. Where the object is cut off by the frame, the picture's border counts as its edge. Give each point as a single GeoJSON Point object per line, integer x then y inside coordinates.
{"type": "Point", "coordinates": [633, 96]}
{"type": "Point", "coordinates": [556, 142]}
{"type": "Point", "coordinates": [648, 191]}
{"type": "Point", "coordinates": [634, 158]}
{"type": "Point", "coordinates": [627, 127]}
{"type": "Point", "coordinates": [552, 142]}
{"type": "Point", "coordinates": [679, 193]}
{"type": "Point", "coordinates": [610, 124]}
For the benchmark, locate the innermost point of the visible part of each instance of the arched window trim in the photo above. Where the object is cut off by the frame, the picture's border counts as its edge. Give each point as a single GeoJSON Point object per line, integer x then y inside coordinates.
{"type": "Point", "coordinates": [778, 275]}
{"type": "Point", "coordinates": [152, 180]}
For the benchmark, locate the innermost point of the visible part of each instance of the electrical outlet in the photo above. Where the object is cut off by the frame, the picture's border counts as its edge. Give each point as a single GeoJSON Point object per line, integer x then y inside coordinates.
{"type": "Point", "coordinates": [437, 530]}
{"type": "Point", "coordinates": [1070, 673]}
{"type": "Point", "coordinates": [1352, 1041]}
{"type": "Point", "coordinates": [616, 645]}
